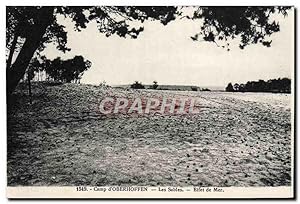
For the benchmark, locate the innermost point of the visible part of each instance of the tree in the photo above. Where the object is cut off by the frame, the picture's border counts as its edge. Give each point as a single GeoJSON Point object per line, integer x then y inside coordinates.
{"type": "Point", "coordinates": [64, 70]}
{"type": "Point", "coordinates": [137, 85]}
{"type": "Point", "coordinates": [37, 26]}
{"type": "Point", "coordinates": [154, 85]}
{"type": "Point", "coordinates": [17, 26]}
{"type": "Point", "coordinates": [286, 85]}
{"type": "Point", "coordinates": [273, 85]}
{"type": "Point", "coordinates": [236, 87]}
{"type": "Point", "coordinates": [242, 87]}
{"type": "Point", "coordinates": [229, 88]}
{"type": "Point", "coordinates": [251, 24]}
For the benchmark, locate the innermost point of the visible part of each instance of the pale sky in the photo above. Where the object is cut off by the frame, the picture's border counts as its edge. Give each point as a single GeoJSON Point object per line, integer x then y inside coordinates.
{"type": "Point", "coordinates": [168, 55]}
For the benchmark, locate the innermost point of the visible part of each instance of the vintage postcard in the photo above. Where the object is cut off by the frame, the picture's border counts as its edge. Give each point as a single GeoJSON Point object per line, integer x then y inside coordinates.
{"type": "Point", "coordinates": [166, 102]}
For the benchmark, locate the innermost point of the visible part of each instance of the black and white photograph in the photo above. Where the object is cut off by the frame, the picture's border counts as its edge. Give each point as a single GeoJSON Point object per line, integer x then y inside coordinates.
{"type": "Point", "coordinates": [150, 101]}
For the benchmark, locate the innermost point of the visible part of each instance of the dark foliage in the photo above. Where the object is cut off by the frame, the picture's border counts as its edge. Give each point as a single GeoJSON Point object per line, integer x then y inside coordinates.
{"type": "Point", "coordinates": [30, 29]}
{"type": "Point", "coordinates": [154, 85]}
{"type": "Point", "coordinates": [229, 88]}
{"type": "Point", "coordinates": [137, 85]}
{"type": "Point", "coordinates": [194, 88]}
{"type": "Point", "coordinates": [61, 70]}
{"type": "Point", "coordinates": [251, 24]}
{"type": "Point", "coordinates": [34, 27]}
{"type": "Point", "coordinates": [274, 85]}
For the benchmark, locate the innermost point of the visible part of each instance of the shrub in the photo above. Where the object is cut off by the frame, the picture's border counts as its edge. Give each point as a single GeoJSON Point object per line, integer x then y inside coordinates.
{"type": "Point", "coordinates": [137, 85]}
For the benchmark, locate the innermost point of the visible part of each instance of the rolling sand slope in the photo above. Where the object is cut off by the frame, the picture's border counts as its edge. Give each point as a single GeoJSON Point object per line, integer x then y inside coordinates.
{"type": "Point", "coordinates": [237, 139]}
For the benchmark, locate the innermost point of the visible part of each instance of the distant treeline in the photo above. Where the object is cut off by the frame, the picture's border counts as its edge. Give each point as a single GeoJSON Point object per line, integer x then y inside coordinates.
{"type": "Point", "coordinates": [139, 85]}
{"type": "Point", "coordinates": [273, 85]}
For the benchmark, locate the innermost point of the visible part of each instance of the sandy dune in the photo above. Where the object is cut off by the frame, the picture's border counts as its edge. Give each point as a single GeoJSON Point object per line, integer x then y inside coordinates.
{"type": "Point", "coordinates": [237, 139]}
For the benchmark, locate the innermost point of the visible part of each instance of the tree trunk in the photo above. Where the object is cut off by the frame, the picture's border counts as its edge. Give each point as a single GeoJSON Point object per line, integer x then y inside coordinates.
{"type": "Point", "coordinates": [32, 42]}
{"type": "Point", "coordinates": [12, 50]}
{"type": "Point", "coordinates": [29, 88]}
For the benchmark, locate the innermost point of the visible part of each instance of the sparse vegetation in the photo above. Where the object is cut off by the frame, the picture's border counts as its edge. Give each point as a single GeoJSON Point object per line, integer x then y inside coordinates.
{"type": "Point", "coordinates": [103, 84]}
